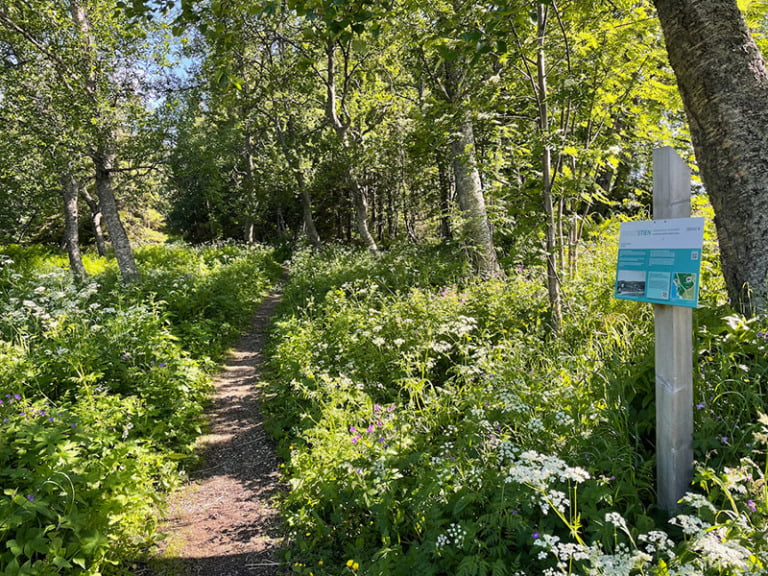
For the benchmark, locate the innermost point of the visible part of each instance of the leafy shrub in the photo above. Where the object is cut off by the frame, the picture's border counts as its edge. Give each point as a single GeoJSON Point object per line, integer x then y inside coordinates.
{"type": "Point", "coordinates": [435, 428]}
{"type": "Point", "coordinates": [79, 484]}
{"type": "Point", "coordinates": [106, 386]}
{"type": "Point", "coordinates": [207, 292]}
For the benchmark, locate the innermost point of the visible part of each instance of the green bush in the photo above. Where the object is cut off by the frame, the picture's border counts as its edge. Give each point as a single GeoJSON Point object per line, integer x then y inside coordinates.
{"type": "Point", "coordinates": [80, 486]}
{"type": "Point", "coordinates": [105, 388]}
{"type": "Point", "coordinates": [433, 428]}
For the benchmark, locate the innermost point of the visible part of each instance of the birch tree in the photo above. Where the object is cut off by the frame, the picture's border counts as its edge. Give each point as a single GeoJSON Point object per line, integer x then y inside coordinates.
{"type": "Point", "coordinates": [450, 63]}
{"type": "Point", "coordinates": [85, 82]}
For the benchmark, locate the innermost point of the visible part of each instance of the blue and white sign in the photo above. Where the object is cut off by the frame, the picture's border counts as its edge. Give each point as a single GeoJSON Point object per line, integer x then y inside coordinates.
{"type": "Point", "coordinates": [660, 261]}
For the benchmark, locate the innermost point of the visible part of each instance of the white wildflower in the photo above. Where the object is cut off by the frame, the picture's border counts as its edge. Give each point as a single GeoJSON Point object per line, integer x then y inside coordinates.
{"type": "Point", "coordinates": [441, 347]}
{"type": "Point", "coordinates": [698, 501]}
{"type": "Point", "coordinates": [617, 520]}
{"type": "Point", "coordinates": [690, 524]}
{"type": "Point", "coordinates": [720, 553]}
{"type": "Point", "coordinates": [535, 425]}
{"type": "Point", "coordinates": [657, 541]}
{"type": "Point", "coordinates": [454, 535]}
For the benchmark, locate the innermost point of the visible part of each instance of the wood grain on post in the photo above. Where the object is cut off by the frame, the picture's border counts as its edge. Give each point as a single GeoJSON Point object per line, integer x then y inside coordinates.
{"type": "Point", "coordinates": [674, 348]}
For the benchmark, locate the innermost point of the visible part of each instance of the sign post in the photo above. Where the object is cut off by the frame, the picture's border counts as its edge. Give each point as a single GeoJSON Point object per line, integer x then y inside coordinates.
{"type": "Point", "coordinates": [674, 348]}
{"type": "Point", "coordinates": [660, 263]}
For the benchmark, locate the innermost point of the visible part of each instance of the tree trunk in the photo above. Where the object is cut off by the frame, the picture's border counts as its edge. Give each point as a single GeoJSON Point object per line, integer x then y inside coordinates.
{"type": "Point", "coordinates": [69, 191]}
{"type": "Point", "coordinates": [309, 222]}
{"type": "Point", "coordinates": [724, 84]}
{"type": "Point", "coordinates": [469, 189]}
{"type": "Point", "coordinates": [249, 186]}
{"type": "Point", "coordinates": [98, 231]}
{"type": "Point", "coordinates": [292, 157]}
{"type": "Point", "coordinates": [445, 200]}
{"type": "Point", "coordinates": [282, 228]}
{"type": "Point", "coordinates": [553, 278]}
{"type": "Point", "coordinates": [249, 232]}
{"type": "Point", "coordinates": [103, 156]}
{"type": "Point", "coordinates": [342, 129]}
{"type": "Point", "coordinates": [361, 214]}
{"type": "Point", "coordinates": [392, 213]}
{"type": "Point", "coordinates": [103, 161]}
{"type": "Point", "coordinates": [472, 202]}
{"type": "Point", "coordinates": [306, 205]}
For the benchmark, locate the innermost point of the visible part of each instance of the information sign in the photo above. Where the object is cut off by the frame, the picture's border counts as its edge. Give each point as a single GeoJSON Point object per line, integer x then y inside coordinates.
{"type": "Point", "coordinates": [660, 261]}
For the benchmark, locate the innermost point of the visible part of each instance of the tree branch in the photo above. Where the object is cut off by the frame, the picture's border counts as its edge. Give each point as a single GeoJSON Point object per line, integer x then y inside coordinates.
{"type": "Point", "coordinates": [39, 45]}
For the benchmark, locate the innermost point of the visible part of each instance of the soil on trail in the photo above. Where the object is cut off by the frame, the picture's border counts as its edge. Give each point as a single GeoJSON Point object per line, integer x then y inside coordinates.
{"type": "Point", "coordinates": [223, 522]}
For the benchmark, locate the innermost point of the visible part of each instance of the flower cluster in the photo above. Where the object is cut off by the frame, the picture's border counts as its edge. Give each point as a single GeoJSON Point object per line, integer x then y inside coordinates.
{"type": "Point", "coordinates": [22, 408]}
{"type": "Point", "coordinates": [376, 431]}
{"type": "Point", "coordinates": [453, 536]}
{"type": "Point", "coordinates": [540, 471]}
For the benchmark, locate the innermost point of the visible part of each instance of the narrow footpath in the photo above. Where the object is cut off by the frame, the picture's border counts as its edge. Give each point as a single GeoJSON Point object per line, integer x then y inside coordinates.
{"type": "Point", "coordinates": [223, 522]}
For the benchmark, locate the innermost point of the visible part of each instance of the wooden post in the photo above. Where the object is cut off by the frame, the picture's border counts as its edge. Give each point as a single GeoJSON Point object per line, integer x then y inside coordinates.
{"type": "Point", "coordinates": [674, 348]}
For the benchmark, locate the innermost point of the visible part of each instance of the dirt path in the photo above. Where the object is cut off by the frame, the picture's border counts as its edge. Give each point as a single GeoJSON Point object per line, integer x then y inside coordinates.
{"type": "Point", "coordinates": [223, 522]}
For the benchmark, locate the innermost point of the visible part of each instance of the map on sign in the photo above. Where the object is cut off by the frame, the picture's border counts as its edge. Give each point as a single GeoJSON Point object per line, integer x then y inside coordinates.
{"type": "Point", "coordinates": [660, 261]}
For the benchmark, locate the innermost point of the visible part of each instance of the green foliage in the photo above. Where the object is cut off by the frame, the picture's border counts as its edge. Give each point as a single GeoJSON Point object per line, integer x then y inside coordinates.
{"type": "Point", "coordinates": [428, 425]}
{"type": "Point", "coordinates": [80, 485]}
{"type": "Point", "coordinates": [206, 291]}
{"type": "Point", "coordinates": [102, 389]}
{"type": "Point", "coordinates": [61, 103]}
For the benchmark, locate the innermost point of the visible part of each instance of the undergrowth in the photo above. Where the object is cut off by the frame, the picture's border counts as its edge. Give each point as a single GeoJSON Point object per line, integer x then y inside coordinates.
{"type": "Point", "coordinates": [429, 424]}
{"type": "Point", "coordinates": [101, 391]}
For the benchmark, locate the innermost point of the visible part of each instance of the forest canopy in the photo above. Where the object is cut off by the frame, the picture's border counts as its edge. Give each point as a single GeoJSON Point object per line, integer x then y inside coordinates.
{"type": "Point", "coordinates": [506, 128]}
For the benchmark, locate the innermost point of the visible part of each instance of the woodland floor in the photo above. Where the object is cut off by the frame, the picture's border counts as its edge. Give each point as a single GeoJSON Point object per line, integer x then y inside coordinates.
{"type": "Point", "coordinates": [223, 522]}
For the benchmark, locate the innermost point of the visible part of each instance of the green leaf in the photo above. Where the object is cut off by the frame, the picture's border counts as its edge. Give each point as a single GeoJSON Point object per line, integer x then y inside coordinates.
{"type": "Point", "coordinates": [60, 562]}
{"type": "Point", "coordinates": [15, 548]}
